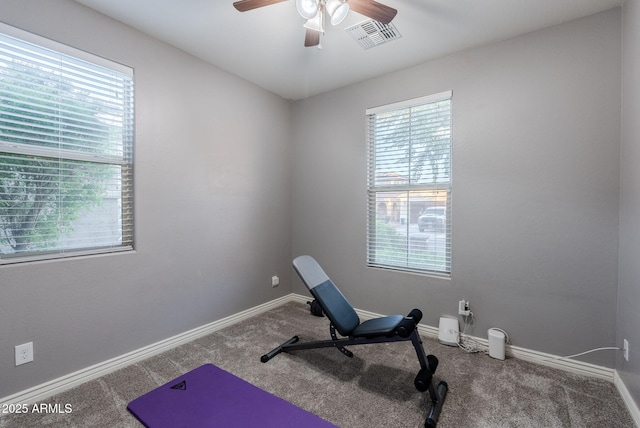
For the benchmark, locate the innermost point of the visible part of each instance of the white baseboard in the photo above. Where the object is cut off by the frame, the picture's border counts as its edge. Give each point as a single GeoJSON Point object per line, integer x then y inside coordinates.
{"type": "Point", "coordinates": [45, 390]}
{"type": "Point", "coordinates": [541, 358]}
{"type": "Point", "coordinates": [56, 386]}
{"type": "Point", "coordinates": [626, 397]}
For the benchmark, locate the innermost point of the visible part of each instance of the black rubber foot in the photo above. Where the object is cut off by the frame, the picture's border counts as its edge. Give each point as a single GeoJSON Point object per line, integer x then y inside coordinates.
{"type": "Point", "coordinates": [436, 405]}
{"type": "Point", "coordinates": [423, 380]}
{"type": "Point", "coordinates": [269, 355]}
{"type": "Point", "coordinates": [433, 363]}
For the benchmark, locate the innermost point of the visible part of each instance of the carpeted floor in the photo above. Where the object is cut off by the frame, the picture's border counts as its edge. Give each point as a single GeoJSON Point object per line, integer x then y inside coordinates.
{"type": "Point", "coordinates": [372, 389]}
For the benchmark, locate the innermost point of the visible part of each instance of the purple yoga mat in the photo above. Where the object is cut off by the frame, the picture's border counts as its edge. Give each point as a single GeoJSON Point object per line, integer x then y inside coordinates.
{"type": "Point", "coordinates": [211, 397]}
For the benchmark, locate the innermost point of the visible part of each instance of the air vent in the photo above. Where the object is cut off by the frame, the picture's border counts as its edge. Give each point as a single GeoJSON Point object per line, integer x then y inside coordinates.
{"type": "Point", "coordinates": [372, 33]}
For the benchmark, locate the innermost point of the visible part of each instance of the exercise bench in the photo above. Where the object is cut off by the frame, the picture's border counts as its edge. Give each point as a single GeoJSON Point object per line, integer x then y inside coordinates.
{"type": "Point", "coordinates": [344, 319]}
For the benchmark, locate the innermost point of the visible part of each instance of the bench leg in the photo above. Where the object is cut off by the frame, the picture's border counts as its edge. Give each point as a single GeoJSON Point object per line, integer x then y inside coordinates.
{"type": "Point", "coordinates": [424, 381]}
{"type": "Point", "coordinates": [436, 404]}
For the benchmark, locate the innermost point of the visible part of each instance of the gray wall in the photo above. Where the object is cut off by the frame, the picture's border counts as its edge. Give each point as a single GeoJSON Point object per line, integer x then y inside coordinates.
{"type": "Point", "coordinates": [535, 187]}
{"type": "Point", "coordinates": [535, 206]}
{"type": "Point", "coordinates": [212, 188]}
{"type": "Point", "coordinates": [629, 276]}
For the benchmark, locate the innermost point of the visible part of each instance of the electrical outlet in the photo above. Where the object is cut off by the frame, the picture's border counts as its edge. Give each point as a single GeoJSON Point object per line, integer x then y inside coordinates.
{"type": "Point", "coordinates": [275, 281]}
{"type": "Point", "coordinates": [625, 349]}
{"type": "Point", "coordinates": [24, 353]}
{"type": "Point", "coordinates": [463, 308]}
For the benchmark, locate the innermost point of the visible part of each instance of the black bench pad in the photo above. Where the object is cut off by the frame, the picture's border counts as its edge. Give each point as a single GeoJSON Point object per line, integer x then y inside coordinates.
{"type": "Point", "coordinates": [378, 326]}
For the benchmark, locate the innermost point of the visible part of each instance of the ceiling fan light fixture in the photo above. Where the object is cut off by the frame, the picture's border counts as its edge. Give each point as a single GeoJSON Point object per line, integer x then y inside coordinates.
{"type": "Point", "coordinates": [338, 10]}
{"type": "Point", "coordinates": [308, 9]}
{"type": "Point", "coordinates": [315, 23]}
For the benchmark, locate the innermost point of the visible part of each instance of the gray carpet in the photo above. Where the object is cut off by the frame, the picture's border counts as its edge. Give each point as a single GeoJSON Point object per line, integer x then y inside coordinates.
{"type": "Point", "coordinates": [372, 389]}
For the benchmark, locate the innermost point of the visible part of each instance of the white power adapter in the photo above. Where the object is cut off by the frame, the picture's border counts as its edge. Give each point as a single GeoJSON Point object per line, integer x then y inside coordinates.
{"type": "Point", "coordinates": [463, 308]}
{"type": "Point", "coordinates": [496, 343]}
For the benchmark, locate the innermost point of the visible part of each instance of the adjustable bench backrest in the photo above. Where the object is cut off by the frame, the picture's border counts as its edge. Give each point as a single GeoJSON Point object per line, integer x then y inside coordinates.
{"type": "Point", "coordinates": [333, 303]}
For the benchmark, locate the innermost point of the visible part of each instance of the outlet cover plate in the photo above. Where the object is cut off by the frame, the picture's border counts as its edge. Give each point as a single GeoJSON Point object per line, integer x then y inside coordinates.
{"type": "Point", "coordinates": [24, 353]}
{"type": "Point", "coordinates": [625, 350]}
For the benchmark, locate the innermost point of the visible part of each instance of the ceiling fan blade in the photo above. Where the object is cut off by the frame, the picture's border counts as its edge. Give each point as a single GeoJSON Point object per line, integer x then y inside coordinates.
{"type": "Point", "coordinates": [245, 5]}
{"type": "Point", "coordinates": [373, 10]}
{"type": "Point", "coordinates": [312, 38]}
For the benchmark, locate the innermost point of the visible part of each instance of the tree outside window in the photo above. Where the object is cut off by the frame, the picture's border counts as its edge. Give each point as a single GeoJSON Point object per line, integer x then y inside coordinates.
{"type": "Point", "coordinates": [66, 136]}
{"type": "Point", "coordinates": [409, 185]}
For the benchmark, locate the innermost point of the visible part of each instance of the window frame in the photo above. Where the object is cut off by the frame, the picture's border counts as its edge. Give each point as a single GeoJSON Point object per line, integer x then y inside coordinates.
{"type": "Point", "coordinates": [123, 148]}
{"type": "Point", "coordinates": [405, 189]}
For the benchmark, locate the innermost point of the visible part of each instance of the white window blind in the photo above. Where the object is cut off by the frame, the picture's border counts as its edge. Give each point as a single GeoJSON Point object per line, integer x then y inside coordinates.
{"type": "Point", "coordinates": [409, 185]}
{"type": "Point", "coordinates": [66, 151]}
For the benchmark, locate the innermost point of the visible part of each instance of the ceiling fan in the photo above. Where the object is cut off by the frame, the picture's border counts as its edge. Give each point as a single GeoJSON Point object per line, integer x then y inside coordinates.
{"type": "Point", "coordinates": [314, 12]}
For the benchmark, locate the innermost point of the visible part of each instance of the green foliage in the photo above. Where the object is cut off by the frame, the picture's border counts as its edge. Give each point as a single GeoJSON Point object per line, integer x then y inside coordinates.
{"type": "Point", "coordinates": [40, 196]}
{"type": "Point", "coordinates": [422, 134]}
{"type": "Point", "coordinates": [397, 249]}
{"type": "Point", "coordinates": [390, 244]}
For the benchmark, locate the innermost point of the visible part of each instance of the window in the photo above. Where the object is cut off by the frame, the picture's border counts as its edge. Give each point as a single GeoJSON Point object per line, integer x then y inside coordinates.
{"type": "Point", "coordinates": [409, 185]}
{"type": "Point", "coordinates": [66, 151]}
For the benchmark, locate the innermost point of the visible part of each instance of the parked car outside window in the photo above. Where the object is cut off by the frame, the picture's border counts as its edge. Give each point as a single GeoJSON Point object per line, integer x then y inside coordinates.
{"type": "Point", "coordinates": [432, 218]}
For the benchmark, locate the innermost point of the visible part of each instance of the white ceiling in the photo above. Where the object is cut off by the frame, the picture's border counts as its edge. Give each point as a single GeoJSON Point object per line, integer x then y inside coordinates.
{"type": "Point", "coordinates": [265, 46]}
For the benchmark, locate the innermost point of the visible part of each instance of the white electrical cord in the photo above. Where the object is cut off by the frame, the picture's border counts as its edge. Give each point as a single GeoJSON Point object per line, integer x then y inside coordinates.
{"type": "Point", "coordinates": [606, 348]}
{"type": "Point", "coordinates": [470, 345]}
{"type": "Point", "coordinates": [508, 341]}
{"type": "Point", "coordinates": [465, 342]}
